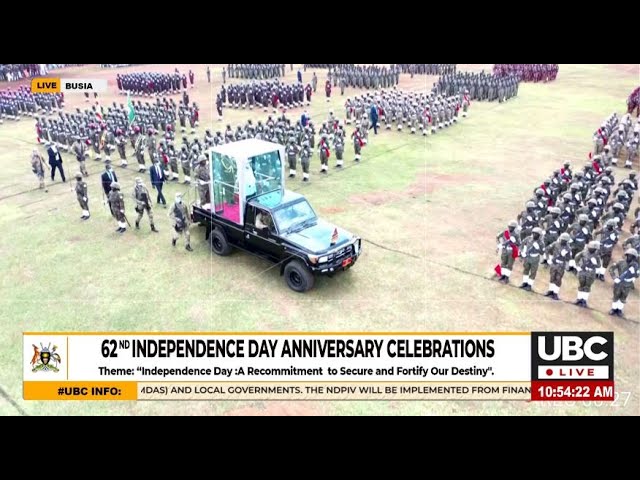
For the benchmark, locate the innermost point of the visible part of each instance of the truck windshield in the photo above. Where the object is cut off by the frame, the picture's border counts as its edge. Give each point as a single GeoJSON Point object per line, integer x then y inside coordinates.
{"type": "Point", "coordinates": [295, 216]}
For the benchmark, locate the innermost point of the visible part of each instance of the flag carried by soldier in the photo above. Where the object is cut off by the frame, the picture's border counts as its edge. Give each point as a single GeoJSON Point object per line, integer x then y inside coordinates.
{"type": "Point", "coordinates": [131, 112]}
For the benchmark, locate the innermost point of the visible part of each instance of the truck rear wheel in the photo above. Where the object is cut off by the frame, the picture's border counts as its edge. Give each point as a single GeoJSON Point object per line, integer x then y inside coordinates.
{"type": "Point", "coordinates": [219, 243]}
{"type": "Point", "coordinates": [298, 276]}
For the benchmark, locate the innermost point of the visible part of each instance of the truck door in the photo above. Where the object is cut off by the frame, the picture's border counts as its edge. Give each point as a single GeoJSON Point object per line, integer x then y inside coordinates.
{"type": "Point", "coordinates": [262, 240]}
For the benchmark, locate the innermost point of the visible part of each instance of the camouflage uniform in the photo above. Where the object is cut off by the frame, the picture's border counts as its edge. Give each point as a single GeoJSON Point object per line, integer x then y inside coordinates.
{"type": "Point", "coordinates": [116, 203]}
{"type": "Point", "coordinates": [588, 262]}
{"type": "Point", "coordinates": [292, 157]}
{"type": "Point", "coordinates": [305, 157]}
{"type": "Point", "coordinates": [143, 203]}
{"type": "Point", "coordinates": [532, 248]}
{"type": "Point", "coordinates": [179, 214]}
{"type": "Point", "coordinates": [203, 177]}
{"type": "Point", "coordinates": [37, 167]}
{"type": "Point", "coordinates": [508, 242]}
{"type": "Point", "coordinates": [624, 272]}
{"type": "Point", "coordinates": [82, 196]}
{"type": "Point", "coordinates": [558, 256]}
{"type": "Point", "coordinates": [79, 151]}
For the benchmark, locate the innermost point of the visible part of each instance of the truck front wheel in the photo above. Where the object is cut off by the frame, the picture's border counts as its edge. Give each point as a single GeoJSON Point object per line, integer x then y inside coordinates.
{"type": "Point", "coordinates": [219, 243]}
{"type": "Point", "coordinates": [298, 276]}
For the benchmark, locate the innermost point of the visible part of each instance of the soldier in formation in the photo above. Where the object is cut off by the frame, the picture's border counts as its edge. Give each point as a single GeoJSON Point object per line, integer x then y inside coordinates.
{"type": "Point", "coordinates": [574, 223]}
{"type": "Point", "coordinates": [150, 84]}
{"type": "Point", "coordinates": [256, 71]}
{"type": "Point", "coordinates": [618, 138]}
{"type": "Point", "coordinates": [480, 86]}
{"type": "Point", "coordinates": [428, 68]}
{"type": "Point", "coordinates": [528, 72]}
{"type": "Point", "coordinates": [264, 94]}
{"type": "Point", "coordinates": [370, 77]}
{"type": "Point", "coordinates": [19, 102]}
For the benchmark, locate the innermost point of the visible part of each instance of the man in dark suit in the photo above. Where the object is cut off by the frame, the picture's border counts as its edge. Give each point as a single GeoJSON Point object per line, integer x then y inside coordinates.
{"type": "Point", "coordinates": [108, 177]}
{"type": "Point", "coordinates": [55, 160]}
{"type": "Point", "coordinates": [157, 180]}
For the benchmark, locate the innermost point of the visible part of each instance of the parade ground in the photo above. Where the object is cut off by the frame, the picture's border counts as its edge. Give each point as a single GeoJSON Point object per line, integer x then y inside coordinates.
{"type": "Point", "coordinates": [427, 208]}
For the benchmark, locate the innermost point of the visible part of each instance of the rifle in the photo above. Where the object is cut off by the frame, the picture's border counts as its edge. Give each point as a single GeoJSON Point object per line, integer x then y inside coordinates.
{"type": "Point", "coordinates": [126, 219]}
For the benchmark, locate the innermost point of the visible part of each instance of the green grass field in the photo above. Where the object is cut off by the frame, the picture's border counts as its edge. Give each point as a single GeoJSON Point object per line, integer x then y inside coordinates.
{"type": "Point", "coordinates": [439, 202]}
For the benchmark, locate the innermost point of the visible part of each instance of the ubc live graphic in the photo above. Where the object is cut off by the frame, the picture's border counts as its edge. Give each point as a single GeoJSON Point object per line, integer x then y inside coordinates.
{"type": "Point", "coordinates": [318, 366]}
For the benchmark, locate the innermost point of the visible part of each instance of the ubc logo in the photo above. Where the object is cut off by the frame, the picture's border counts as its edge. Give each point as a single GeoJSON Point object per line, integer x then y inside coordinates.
{"type": "Point", "coordinates": [571, 355]}
{"type": "Point", "coordinates": [570, 348]}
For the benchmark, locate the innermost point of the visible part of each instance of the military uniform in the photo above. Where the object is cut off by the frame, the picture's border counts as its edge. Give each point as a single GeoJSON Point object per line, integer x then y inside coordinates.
{"type": "Point", "coordinates": [203, 177]}
{"type": "Point", "coordinates": [116, 203]}
{"type": "Point", "coordinates": [305, 160]}
{"type": "Point", "coordinates": [37, 167]}
{"type": "Point", "coordinates": [508, 245]}
{"type": "Point", "coordinates": [79, 151]}
{"type": "Point", "coordinates": [143, 203]}
{"type": "Point", "coordinates": [292, 157]}
{"type": "Point", "coordinates": [82, 196]}
{"type": "Point", "coordinates": [588, 263]}
{"type": "Point", "coordinates": [624, 272]}
{"type": "Point", "coordinates": [325, 153]}
{"type": "Point", "coordinates": [532, 249]}
{"type": "Point", "coordinates": [558, 256]}
{"type": "Point", "coordinates": [179, 214]}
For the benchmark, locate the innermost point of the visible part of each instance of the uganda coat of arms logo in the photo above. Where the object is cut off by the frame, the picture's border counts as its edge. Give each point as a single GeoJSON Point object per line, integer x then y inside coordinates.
{"type": "Point", "coordinates": [45, 359]}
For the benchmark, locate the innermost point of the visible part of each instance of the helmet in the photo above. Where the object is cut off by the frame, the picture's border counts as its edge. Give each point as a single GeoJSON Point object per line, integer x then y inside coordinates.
{"type": "Point", "coordinates": [115, 186]}
{"type": "Point", "coordinates": [513, 224]}
{"type": "Point", "coordinates": [594, 244]}
{"type": "Point", "coordinates": [611, 222]}
{"type": "Point", "coordinates": [78, 175]}
{"type": "Point", "coordinates": [567, 196]}
{"type": "Point", "coordinates": [530, 205]}
{"type": "Point", "coordinates": [618, 206]}
{"type": "Point", "coordinates": [632, 252]}
{"type": "Point", "coordinates": [565, 237]}
{"type": "Point", "coordinates": [632, 174]}
{"type": "Point", "coordinates": [555, 210]}
{"type": "Point", "coordinates": [583, 217]}
{"type": "Point", "coordinates": [539, 191]}
{"type": "Point", "coordinates": [538, 230]}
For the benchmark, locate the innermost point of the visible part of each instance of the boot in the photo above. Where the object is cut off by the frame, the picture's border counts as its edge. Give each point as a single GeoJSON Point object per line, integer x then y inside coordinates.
{"type": "Point", "coordinates": [527, 287]}
{"type": "Point", "coordinates": [119, 230]}
{"type": "Point", "coordinates": [555, 296]}
{"type": "Point", "coordinates": [173, 243]}
{"type": "Point", "coordinates": [188, 248]}
{"type": "Point", "coordinates": [137, 225]}
{"type": "Point", "coordinates": [548, 294]}
{"type": "Point", "coordinates": [524, 286]}
{"type": "Point", "coordinates": [153, 228]}
{"type": "Point", "coordinates": [613, 312]}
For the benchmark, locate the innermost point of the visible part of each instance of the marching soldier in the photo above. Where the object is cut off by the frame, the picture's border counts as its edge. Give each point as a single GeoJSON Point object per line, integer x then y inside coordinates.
{"type": "Point", "coordinates": [80, 151]}
{"type": "Point", "coordinates": [180, 217]}
{"type": "Point", "coordinates": [508, 244]}
{"type": "Point", "coordinates": [357, 144]}
{"type": "Point", "coordinates": [528, 219]}
{"type": "Point", "coordinates": [139, 147]}
{"type": "Point", "coordinates": [553, 226]}
{"type": "Point", "coordinates": [116, 203]}
{"type": "Point", "coordinates": [580, 236]}
{"type": "Point", "coordinates": [292, 156]}
{"type": "Point", "coordinates": [608, 240]}
{"type": "Point", "coordinates": [338, 144]}
{"type": "Point", "coordinates": [558, 256]}
{"type": "Point", "coordinates": [588, 262]}
{"type": "Point", "coordinates": [204, 179]}
{"type": "Point", "coordinates": [624, 272]}
{"type": "Point", "coordinates": [121, 144]}
{"type": "Point", "coordinates": [305, 160]}
{"type": "Point", "coordinates": [83, 196]}
{"type": "Point", "coordinates": [37, 167]}
{"type": "Point", "coordinates": [185, 161]}
{"type": "Point", "coordinates": [325, 153]}
{"type": "Point", "coordinates": [532, 248]}
{"type": "Point", "coordinates": [143, 203]}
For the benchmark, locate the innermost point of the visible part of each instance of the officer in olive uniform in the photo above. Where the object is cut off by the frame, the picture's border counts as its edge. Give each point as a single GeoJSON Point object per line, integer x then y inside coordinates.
{"type": "Point", "coordinates": [532, 248]}
{"type": "Point", "coordinates": [79, 150]}
{"type": "Point", "coordinates": [508, 244]}
{"type": "Point", "coordinates": [179, 214]}
{"type": "Point", "coordinates": [558, 256]}
{"type": "Point", "coordinates": [608, 237]}
{"type": "Point", "coordinates": [292, 157]}
{"type": "Point", "coordinates": [305, 160]}
{"type": "Point", "coordinates": [580, 236]}
{"type": "Point", "coordinates": [204, 179]}
{"type": "Point", "coordinates": [588, 262]}
{"type": "Point", "coordinates": [143, 203]}
{"type": "Point", "coordinates": [116, 203]}
{"type": "Point", "coordinates": [83, 196]}
{"type": "Point", "coordinates": [624, 272]}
